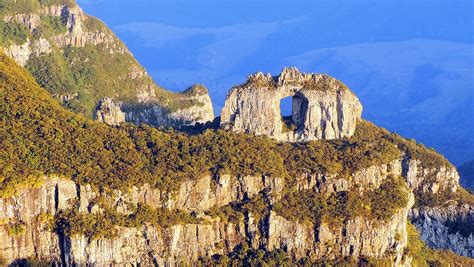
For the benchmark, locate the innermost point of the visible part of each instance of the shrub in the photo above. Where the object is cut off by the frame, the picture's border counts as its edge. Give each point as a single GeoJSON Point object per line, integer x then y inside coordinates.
{"type": "Point", "coordinates": [16, 228]}
{"type": "Point", "coordinates": [13, 33]}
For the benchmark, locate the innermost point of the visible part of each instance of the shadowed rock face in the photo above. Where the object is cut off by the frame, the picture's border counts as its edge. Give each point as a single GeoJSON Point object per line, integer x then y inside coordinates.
{"type": "Point", "coordinates": [323, 107]}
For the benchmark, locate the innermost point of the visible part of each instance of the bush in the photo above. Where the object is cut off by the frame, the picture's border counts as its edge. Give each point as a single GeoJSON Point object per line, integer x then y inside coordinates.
{"type": "Point", "coordinates": [13, 33]}
{"type": "Point", "coordinates": [16, 228]}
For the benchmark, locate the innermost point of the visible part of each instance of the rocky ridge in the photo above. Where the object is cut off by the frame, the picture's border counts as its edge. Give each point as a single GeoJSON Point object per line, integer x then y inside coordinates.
{"type": "Point", "coordinates": [109, 112]}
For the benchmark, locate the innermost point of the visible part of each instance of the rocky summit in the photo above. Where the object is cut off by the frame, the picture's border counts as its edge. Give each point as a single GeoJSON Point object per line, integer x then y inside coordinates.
{"type": "Point", "coordinates": [322, 107]}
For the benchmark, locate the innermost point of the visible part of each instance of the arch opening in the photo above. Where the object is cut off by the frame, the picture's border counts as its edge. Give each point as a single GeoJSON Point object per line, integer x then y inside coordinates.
{"type": "Point", "coordinates": [293, 111]}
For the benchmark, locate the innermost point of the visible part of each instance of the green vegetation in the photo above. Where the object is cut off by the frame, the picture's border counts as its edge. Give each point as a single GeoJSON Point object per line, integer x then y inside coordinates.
{"type": "Point", "coordinates": [460, 197]}
{"type": "Point", "coordinates": [29, 6]}
{"type": "Point", "coordinates": [50, 26]}
{"type": "Point", "coordinates": [15, 228]}
{"type": "Point", "coordinates": [245, 256]}
{"type": "Point", "coordinates": [428, 158]}
{"type": "Point", "coordinates": [424, 256]}
{"type": "Point", "coordinates": [315, 208]}
{"type": "Point", "coordinates": [340, 156]}
{"type": "Point", "coordinates": [39, 137]}
{"type": "Point", "coordinates": [13, 33]}
{"type": "Point", "coordinates": [287, 124]}
{"type": "Point", "coordinates": [104, 224]}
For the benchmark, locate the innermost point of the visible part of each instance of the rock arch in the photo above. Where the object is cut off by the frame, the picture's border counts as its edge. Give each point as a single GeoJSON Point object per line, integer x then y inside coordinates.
{"type": "Point", "coordinates": [323, 107]}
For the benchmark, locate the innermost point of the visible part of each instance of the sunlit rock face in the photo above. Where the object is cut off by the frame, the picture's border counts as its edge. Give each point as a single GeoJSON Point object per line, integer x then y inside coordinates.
{"type": "Point", "coordinates": [323, 107]}
{"type": "Point", "coordinates": [109, 112]}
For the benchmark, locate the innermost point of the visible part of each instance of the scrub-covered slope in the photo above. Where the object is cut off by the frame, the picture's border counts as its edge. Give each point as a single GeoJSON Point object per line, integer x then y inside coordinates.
{"type": "Point", "coordinates": [80, 61]}
{"type": "Point", "coordinates": [75, 191]}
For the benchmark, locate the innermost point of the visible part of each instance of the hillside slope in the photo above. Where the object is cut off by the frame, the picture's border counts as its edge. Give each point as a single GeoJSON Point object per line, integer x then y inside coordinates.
{"type": "Point", "coordinates": [80, 61]}
{"type": "Point", "coordinates": [75, 191]}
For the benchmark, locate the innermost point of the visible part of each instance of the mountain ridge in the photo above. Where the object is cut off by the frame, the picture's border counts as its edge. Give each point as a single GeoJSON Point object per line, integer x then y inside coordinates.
{"type": "Point", "coordinates": [131, 181]}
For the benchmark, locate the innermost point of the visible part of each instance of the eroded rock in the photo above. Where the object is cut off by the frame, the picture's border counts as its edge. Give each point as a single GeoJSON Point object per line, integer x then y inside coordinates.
{"type": "Point", "coordinates": [323, 107]}
{"type": "Point", "coordinates": [109, 112]}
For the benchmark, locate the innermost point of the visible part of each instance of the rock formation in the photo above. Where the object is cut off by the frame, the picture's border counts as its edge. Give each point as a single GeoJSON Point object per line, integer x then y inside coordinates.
{"type": "Point", "coordinates": [196, 108]}
{"type": "Point", "coordinates": [323, 107]}
{"type": "Point", "coordinates": [447, 227]}
{"type": "Point", "coordinates": [188, 242]}
{"type": "Point", "coordinates": [75, 193]}
{"type": "Point", "coordinates": [109, 112]}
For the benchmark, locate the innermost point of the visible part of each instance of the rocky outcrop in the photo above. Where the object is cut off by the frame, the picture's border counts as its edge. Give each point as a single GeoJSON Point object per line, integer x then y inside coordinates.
{"type": "Point", "coordinates": [109, 112]}
{"type": "Point", "coordinates": [430, 180]}
{"type": "Point", "coordinates": [323, 108]}
{"type": "Point", "coordinates": [22, 53]}
{"type": "Point", "coordinates": [196, 108]}
{"type": "Point", "coordinates": [448, 227]}
{"type": "Point", "coordinates": [355, 238]}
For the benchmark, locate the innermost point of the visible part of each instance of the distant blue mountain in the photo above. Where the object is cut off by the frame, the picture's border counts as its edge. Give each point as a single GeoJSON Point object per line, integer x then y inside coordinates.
{"type": "Point", "coordinates": [410, 62]}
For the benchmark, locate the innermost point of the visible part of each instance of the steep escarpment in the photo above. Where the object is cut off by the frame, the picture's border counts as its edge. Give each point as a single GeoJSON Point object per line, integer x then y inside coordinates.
{"type": "Point", "coordinates": [323, 108]}
{"type": "Point", "coordinates": [80, 61]}
{"type": "Point", "coordinates": [75, 191]}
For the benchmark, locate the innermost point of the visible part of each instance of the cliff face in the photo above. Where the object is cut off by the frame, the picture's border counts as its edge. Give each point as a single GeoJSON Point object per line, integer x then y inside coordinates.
{"type": "Point", "coordinates": [148, 244]}
{"type": "Point", "coordinates": [447, 224]}
{"type": "Point", "coordinates": [197, 108]}
{"type": "Point", "coordinates": [72, 54]}
{"type": "Point", "coordinates": [323, 108]}
{"type": "Point", "coordinates": [447, 227]}
{"type": "Point", "coordinates": [109, 112]}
